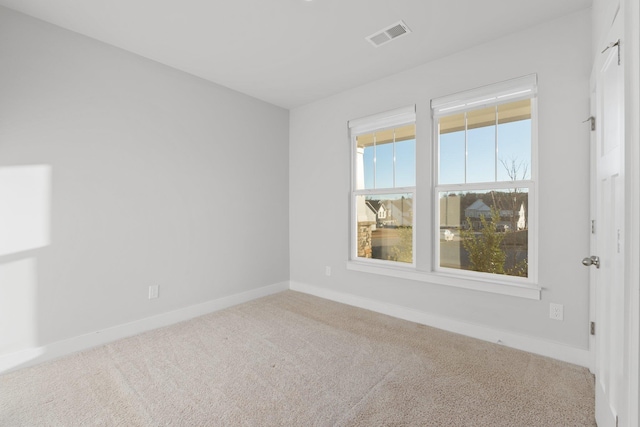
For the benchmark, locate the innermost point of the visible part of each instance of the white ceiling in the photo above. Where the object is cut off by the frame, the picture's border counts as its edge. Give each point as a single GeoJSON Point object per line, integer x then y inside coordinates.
{"type": "Point", "coordinates": [292, 52]}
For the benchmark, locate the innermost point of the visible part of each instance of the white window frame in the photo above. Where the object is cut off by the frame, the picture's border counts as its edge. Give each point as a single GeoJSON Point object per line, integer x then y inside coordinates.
{"type": "Point", "coordinates": [378, 122]}
{"type": "Point", "coordinates": [501, 93]}
{"type": "Point", "coordinates": [429, 271]}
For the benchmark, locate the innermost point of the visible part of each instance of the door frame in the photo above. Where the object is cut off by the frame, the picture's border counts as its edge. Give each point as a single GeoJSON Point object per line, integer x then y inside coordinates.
{"type": "Point", "coordinates": [631, 50]}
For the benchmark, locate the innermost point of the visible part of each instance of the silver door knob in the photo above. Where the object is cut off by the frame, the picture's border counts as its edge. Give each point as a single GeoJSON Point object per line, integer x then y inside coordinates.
{"type": "Point", "coordinates": [593, 260]}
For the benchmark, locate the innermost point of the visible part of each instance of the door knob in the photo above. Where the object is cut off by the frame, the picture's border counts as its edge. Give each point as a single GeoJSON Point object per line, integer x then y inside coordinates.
{"type": "Point", "coordinates": [593, 260]}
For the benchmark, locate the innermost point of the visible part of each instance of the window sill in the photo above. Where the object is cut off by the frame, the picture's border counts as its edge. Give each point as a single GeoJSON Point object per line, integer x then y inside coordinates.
{"type": "Point", "coordinates": [492, 286]}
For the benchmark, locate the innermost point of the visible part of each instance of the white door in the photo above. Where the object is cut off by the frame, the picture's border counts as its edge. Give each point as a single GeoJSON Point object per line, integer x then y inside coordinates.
{"type": "Point", "coordinates": [611, 392]}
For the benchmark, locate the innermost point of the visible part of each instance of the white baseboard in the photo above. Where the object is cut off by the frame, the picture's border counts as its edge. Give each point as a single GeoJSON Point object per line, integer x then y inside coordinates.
{"type": "Point", "coordinates": [529, 344]}
{"type": "Point", "coordinates": [32, 356]}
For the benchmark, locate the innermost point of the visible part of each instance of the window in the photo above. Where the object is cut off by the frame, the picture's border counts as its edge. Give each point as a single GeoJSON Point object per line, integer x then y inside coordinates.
{"type": "Point", "coordinates": [476, 228]}
{"type": "Point", "coordinates": [384, 181]}
{"type": "Point", "coordinates": [484, 187]}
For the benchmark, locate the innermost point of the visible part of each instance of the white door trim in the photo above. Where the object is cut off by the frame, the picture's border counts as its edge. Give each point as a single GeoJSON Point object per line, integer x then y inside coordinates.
{"type": "Point", "coordinates": [631, 51]}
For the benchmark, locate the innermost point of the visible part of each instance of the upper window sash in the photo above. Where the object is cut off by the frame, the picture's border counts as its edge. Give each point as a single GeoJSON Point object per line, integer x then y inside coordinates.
{"type": "Point", "coordinates": [379, 145]}
{"type": "Point", "coordinates": [498, 93]}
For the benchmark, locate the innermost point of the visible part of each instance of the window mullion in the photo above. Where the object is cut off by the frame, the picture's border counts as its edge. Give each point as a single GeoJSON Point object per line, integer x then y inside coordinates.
{"type": "Point", "coordinates": [466, 146]}
{"type": "Point", "coordinates": [495, 165]}
{"type": "Point", "coordinates": [394, 158]}
{"type": "Point", "coordinates": [375, 159]}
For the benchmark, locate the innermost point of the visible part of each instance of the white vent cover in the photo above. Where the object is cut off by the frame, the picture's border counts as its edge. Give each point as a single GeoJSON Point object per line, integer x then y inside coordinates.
{"type": "Point", "coordinates": [386, 35]}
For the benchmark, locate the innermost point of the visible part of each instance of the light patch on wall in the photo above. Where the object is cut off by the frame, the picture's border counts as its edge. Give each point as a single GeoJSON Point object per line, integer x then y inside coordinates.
{"type": "Point", "coordinates": [18, 305]}
{"type": "Point", "coordinates": [25, 205]}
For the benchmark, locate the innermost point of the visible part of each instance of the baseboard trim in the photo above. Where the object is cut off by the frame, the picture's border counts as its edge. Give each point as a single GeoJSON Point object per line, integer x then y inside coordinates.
{"type": "Point", "coordinates": [521, 342]}
{"type": "Point", "coordinates": [32, 356]}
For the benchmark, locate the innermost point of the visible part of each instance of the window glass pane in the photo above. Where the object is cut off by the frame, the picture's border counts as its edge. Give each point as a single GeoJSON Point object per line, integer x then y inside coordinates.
{"type": "Point", "coordinates": [514, 141]}
{"type": "Point", "coordinates": [452, 154]}
{"type": "Point", "coordinates": [385, 227]}
{"type": "Point", "coordinates": [384, 159]}
{"type": "Point", "coordinates": [364, 161]}
{"type": "Point", "coordinates": [452, 149]}
{"type": "Point", "coordinates": [369, 155]}
{"type": "Point", "coordinates": [406, 163]}
{"type": "Point", "coordinates": [485, 231]}
{"type": "Point", "coordinates": [481, 145]}
{"type": "Point", "coordinates": [406, 156]}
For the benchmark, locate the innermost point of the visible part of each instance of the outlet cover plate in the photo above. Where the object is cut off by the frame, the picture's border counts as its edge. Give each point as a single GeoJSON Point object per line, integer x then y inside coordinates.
{"type": "Point", "coordinates": [556, 311]}
{"type": "Point", "coordinates": [153, 291]}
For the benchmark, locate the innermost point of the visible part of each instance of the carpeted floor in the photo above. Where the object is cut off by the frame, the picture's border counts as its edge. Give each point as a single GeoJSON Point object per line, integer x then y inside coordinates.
{"type": "Point", "coordinates": [291, 359]}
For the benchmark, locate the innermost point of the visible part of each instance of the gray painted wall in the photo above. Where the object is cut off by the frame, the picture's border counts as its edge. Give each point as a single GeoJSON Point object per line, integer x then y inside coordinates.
{"type": "Point", "coordinates": [144, 175]}
{"type": "Point", "coordinates": [559, 52]}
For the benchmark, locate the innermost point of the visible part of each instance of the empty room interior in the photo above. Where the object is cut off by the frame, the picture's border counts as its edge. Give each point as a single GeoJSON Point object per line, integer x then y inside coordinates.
{"type": "Point", "coordinates": [319, 212]}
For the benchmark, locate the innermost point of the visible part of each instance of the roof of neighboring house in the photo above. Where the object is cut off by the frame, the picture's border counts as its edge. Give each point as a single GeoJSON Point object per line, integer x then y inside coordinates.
{"type": "Point", "coordinates": [479, 205]}
{"type": "Point", "coordinates": [397, 205]}
{"type": "Point", "coordinates": [480, 208]}
{"type": "Point", "coordinates": [374, 205]}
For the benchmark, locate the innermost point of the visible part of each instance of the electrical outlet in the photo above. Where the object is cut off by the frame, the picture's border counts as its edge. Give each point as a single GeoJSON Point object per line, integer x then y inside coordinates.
{"type": "Point", "coordinates": [556, 311]}
{"type": "Point", "coordinates": [154, 291]}
{"type": "Point", "coordinates": [327, 270]}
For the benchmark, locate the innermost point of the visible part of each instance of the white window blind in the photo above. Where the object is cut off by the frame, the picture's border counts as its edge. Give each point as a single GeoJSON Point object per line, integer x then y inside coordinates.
{"type": "Point", "coordinates": [388, 119]}
{"type": "Point", "coordinates": [509, 90]}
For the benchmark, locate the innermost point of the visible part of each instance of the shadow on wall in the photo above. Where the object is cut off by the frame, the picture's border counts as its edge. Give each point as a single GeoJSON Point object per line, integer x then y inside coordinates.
{"type": "Point", "coordinates": [25, 222]}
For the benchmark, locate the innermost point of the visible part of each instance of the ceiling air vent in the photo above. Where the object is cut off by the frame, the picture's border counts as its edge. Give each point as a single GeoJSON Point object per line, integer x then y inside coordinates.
{"type": "Point", "coordinates": [386, 35]}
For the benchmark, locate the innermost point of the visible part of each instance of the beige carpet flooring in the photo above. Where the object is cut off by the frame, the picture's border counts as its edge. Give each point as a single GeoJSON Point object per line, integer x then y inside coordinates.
{"type": "Point", "coordinates": [291, 359]}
